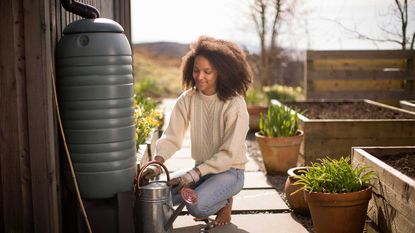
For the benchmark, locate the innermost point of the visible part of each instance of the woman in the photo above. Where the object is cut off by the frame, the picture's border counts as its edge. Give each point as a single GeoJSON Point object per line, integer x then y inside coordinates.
{"type": "Point", "coordinates": [216, 76]}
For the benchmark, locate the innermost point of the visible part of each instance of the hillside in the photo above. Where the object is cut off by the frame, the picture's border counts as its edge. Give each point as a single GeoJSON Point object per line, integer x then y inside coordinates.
{"type": "Point", "coordinates": [157, 68]}
{"type": "Point", "coordinates": [166, 49]}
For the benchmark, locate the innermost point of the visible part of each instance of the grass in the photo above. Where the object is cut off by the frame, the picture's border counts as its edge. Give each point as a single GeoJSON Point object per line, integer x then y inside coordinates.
{"type": "Point", "coordinates": [156, 76]}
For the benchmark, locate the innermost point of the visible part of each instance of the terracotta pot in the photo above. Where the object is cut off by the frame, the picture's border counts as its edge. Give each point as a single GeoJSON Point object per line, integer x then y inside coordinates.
{"type": "Point", "coordinates": [340, 213]}
{"type": "Point", "coordinates": [296, 200]}
{"type": "Point", "coordinates": [279, 153]}
{"type": "Point", "coordinates": [254, 112]}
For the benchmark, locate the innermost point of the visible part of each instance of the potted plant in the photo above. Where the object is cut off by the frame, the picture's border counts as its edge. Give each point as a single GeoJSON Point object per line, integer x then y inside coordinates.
{"type": "Point", "coordinates": [337, 194]}
{"type": "Point", "coordinates": [257, 102]}
{"type": "Point", "coordinates": [279, 138]}
{"type": "Point", "coordinates": [295, 199]}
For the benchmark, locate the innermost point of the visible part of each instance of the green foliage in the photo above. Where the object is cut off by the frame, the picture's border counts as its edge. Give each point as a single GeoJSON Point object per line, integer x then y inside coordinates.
{"type": "Point", "coordinates": [148, 87]}
{"type": "Point", "coordinates": [147, 118]}
{"type": "Point", "coordinates": [335, 176]}
{"type": "Point", "coordinates": [146, 103]}
{"type": "Point", "coordinates": [161, 73]}
{"type": "Point", "coordinates": [280, 121]}
{"type": "Point", "coordinates": [284, 93]}
{"type": "Point", "coordinates": [256, 97]}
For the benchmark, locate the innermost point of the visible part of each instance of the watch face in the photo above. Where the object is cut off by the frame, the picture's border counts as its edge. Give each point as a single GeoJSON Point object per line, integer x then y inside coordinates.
{"type": "Point", "coordinates": [189, 195]}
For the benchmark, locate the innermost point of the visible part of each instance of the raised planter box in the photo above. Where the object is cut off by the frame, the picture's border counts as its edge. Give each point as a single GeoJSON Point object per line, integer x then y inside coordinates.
{"type": "Point", "coordinates": [341, 125]}
{"type": "Point", "coordinates": [392, 207]}
{"type": "Point", "coordinates": [145, 151]}
{"type": "Point", "coordinates": [408, 105]}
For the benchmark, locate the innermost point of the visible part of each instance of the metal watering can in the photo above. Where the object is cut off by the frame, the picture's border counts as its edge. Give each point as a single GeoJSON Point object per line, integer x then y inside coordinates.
{"type": "Point", "coordinates": [154, 208]}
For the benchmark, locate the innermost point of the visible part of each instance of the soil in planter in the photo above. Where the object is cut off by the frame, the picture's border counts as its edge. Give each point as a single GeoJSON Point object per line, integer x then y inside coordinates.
{"type": "Point", "coordinates": [347, 110]}
{"type": "Point", "coordinates": [403, 162]}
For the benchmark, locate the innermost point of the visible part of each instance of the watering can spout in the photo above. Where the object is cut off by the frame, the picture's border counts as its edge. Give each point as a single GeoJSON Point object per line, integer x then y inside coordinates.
{"type": "Point", "coordinates": [169, 223]}
{"type": "Point", "coordinates": [189, 196]}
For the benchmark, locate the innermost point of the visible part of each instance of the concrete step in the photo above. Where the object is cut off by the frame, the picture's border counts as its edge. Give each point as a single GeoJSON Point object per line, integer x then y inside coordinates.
{"type": "Point", "coordinates": [257, 201]}
{"type": "Point", "coordinates": [262, 200]}
{"type": "Point", "coordinates": [256, 180]}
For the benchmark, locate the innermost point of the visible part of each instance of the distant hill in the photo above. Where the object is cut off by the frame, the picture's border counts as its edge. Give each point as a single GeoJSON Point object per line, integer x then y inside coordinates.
{"type": "Point", "coordinates": [157, 67]}
{"type": "Point", "coordinates": [162, 49]}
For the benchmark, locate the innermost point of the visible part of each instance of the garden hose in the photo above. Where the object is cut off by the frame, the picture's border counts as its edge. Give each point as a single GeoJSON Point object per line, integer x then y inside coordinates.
{"type": "Point", "coordinates": [68, 156]}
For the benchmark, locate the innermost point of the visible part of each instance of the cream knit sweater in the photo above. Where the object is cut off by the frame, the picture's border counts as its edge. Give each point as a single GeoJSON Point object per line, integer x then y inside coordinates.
{"type": "Point", "coordinates": [217, 131]}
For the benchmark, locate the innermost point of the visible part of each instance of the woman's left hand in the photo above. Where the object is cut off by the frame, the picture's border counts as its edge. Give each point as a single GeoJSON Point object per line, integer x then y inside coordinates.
{"type": "Point", "coordinates": [188, 179]}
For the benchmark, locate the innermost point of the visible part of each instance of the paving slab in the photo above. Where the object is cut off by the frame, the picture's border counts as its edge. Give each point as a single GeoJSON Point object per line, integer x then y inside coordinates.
{"type": "Point", "coordinates": [176, 164]}
{"type": "Point", "coordinates": [176, 161]}
{"type": "Point", "coordinates": [251, 165]}
{"type": "Point", "coordinates": [256, 180]}
{"type": "Point", "coordinates": [244, 223]}
{"type": "Point", "coordinates": [259, 200]}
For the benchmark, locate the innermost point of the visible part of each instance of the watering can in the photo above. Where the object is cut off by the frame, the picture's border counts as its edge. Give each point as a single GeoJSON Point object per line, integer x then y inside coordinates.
{"type": "Point", "coordinates": [154, 208]}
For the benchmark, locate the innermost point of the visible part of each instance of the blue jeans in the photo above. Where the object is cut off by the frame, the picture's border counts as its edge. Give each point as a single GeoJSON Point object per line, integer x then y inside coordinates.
{"type": "Point", "coordinates": [213, 190]}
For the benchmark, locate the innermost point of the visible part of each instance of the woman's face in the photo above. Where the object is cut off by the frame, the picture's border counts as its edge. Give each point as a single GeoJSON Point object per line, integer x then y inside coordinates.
{"type": "Point", "coordinates": [205, 75]}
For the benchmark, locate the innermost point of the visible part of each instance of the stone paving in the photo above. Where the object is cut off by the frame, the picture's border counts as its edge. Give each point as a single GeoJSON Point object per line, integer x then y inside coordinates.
{"type": "Point", "coordinates": [258, 208]}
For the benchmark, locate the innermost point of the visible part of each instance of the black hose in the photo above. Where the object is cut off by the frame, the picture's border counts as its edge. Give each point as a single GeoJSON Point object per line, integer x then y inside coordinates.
{"type": "Point", "coordinates": [81, 9]}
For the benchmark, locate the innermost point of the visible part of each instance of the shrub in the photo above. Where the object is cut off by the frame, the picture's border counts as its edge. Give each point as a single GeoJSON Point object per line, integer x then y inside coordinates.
{"type": "Point", "coordinates": [147, 118]}
{"type": "Point", "coordinates": [283, 93]}
{"type": "Point", "coordinates": [279, 121]}
{"type": "Point", "coordinates": [148, 87]}
{"type": "Point", "coordinates": [256, 97]}
{"type": "Point", "coordinates": [335, 176]}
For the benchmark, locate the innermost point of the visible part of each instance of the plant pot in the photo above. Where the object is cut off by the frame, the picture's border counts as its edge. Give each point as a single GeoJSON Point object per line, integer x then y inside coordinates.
{"type": "Point", "coordinates": [279, 153]}
{"type": "Point", "coordinates": [338, 212]}
{"type": "Point", "coordinates": [254, 112]}
{"type": "Point", "coordinates": [296, 200]}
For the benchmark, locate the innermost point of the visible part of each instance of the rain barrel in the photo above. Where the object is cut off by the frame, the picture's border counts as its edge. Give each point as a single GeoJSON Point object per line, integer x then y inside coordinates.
{"type": "Point", "coordinates": [95, 92]}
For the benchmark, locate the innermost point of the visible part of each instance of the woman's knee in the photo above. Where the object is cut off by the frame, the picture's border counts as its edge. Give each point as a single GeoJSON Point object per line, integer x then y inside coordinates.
{"type": "Point", "coordinates": [198, 211]}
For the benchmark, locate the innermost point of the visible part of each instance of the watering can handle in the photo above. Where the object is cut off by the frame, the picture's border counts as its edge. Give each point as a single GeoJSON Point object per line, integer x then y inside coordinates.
{"type": "Point", "coordinates": [145, 166]}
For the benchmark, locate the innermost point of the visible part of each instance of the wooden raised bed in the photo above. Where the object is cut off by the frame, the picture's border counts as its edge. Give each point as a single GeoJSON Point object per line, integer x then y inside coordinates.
{"type": "Point", "coordinates": [408, 105]}
{"type": "Point", "coordinates": [340, 125]}
{"type": "Point", "coordinates": [392, 206]}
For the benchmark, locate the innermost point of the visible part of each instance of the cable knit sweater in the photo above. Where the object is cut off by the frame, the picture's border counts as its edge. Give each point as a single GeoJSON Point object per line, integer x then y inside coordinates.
{"type": "Point", "coordinates": [217, 130]}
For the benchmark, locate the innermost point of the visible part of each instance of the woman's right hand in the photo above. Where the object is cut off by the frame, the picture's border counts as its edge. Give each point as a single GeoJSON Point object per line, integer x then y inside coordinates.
{"type": "Point", "coordinates": [151, 172]}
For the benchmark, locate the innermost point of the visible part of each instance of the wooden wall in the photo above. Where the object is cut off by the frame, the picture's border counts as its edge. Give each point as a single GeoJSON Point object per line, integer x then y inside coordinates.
{"type": "Point", "coordinates": [383, 75]}
{"type": "Point", "coordinates": [30, 189]}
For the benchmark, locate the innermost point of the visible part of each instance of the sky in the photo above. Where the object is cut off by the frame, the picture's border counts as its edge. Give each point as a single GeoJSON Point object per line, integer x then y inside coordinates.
{"type": "Point", "coordinates": [184, 20]}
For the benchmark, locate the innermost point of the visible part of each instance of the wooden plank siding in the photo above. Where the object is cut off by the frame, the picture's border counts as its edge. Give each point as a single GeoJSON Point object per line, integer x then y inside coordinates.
{"type": "Point", "coordinates": [30, 187]}
{"type": "Point", "coordinates": [385, 75]}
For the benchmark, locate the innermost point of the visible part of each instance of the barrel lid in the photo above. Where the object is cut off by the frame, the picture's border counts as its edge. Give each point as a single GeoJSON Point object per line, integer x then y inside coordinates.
{"type": "Point", "coordinates": [93, 25]}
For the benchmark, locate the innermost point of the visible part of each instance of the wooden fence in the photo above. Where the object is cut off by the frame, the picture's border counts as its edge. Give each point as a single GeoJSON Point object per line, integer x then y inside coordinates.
{"type": "Point", "coordinates": [30, 186]}
{"type": "Point", "coordinates": [383, 75]}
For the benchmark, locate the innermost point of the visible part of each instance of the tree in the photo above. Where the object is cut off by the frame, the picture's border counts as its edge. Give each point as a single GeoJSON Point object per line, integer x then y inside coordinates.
{"type": "Point", "coordinates": [268, 17]}
{"type": "Point", "coordinates": [401, 11]}
{"type": "Point", "coordinates": [403, 37]}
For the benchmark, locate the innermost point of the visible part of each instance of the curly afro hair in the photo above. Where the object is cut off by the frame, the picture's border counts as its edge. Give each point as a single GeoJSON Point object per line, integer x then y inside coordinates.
{"type": "Point", "coordinates": [229, 60]}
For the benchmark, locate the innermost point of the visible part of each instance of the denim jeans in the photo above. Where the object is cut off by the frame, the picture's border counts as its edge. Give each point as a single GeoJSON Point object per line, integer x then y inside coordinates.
{"type": "Point", "coordinates": [213, 190]}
